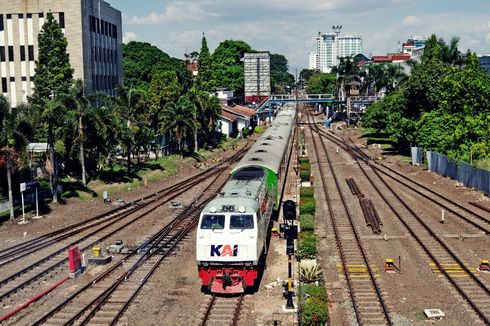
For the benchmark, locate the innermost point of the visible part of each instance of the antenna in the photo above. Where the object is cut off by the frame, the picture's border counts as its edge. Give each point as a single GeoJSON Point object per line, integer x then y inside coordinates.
{"type": "Point", "coordinates": [337, 29]}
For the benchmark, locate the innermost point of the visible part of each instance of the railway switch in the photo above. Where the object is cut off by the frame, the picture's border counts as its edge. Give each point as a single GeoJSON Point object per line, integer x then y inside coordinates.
{"type": "Point", "coordinates": [485, 266]}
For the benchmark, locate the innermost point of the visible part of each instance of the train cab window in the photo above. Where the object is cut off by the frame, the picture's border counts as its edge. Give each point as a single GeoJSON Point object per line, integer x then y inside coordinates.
{"type": "Point", "coordinates": [241, 222]}
{"type": "Point", "coordinates": [249, 173]}
{"type": "Point", "coordinates": [213, 222]}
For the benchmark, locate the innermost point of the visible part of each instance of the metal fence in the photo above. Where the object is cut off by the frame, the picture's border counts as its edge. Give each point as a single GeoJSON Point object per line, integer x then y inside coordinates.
{"type": "Point", "coordinates": [417, 155]}
{"type": "Point", "coordinates": [463, 172]}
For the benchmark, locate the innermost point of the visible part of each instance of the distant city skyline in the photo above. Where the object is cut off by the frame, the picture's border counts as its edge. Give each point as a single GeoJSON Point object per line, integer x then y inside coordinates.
{"type": "Point", "coordinates": [289, 27]}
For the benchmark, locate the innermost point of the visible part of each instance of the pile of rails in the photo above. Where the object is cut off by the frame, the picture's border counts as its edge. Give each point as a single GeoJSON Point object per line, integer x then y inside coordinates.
{"type": "Point", "coordinates": [370, 214]}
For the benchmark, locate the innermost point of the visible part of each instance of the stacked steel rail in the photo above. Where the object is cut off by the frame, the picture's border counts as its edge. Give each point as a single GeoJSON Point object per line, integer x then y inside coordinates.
{"type": "Point", "coordinates": [369, 211]}
{"type": "Point", "coordinates": [223, 309]}
{"type": "Point", "coordinates": [471, 288]}
{"type": "Point", "coordinates": [114, 221]}
{"type": "Point", "coordinates": [363, 291]}
{"type": "Point", "coordinates": [130, 282]}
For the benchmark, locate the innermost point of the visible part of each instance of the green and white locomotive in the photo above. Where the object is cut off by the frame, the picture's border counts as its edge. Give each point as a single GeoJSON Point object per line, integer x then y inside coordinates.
{"type": "Point", "coordinates": [233, 227]}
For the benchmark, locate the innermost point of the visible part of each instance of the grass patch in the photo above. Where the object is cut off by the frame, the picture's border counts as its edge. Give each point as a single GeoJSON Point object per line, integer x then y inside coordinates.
{"type": "Point", "coordinates": [307, 222]}
{"type": "Point", "coordinates": [307, 206]}
{"type": "Point", "coordinates": [307, 245]}
{"type": "Point", "coordinates": [313, 305]}
{"type": "Point", "coordinates": [306, 192]}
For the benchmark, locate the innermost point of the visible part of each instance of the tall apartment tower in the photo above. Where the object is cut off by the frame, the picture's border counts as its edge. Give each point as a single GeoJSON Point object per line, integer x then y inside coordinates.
{"type": "Point", "coordinates": [94, 35]}
{"type": "Point", "coordinates": [330, 47]}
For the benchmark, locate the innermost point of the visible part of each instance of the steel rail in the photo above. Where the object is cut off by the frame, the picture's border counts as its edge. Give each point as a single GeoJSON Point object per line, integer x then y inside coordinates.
{"type": "Point", "coordinates": [356, 235]}
{"type": "Point", "coordinates": [462, 292]}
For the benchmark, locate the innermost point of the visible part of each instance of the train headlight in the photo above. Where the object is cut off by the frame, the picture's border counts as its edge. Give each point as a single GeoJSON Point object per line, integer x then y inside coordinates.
{"type": "Point", "coordinates": [242, 209]}
{"type": "Point", "coordinates": [212, 209]}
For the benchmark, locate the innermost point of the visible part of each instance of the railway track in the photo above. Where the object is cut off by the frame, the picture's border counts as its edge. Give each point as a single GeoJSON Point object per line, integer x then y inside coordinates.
{"type": "Point", "coordinates": [105, 299]}
{"type": "Point", "coordinates": [472, 289]}
{"type": "Point", "coordinates": [223, 310]}
{"type": "Point", "coordinates": [367, 299]}
{"type": "Point", "coordinates": [97, 229]}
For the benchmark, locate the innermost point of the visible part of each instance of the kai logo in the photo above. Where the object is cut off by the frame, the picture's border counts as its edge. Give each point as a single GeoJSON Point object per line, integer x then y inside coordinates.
{"type": "Point", "coordinates": [224, 250]}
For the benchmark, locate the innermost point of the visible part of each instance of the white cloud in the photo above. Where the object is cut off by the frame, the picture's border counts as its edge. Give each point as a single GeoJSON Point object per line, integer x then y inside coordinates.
{"type": "Point", "coordinates": [129, 36]}
{"type": "Point", "coordinates": [410, 21]}
{"type": "Point", "coordinates": [178, 12]}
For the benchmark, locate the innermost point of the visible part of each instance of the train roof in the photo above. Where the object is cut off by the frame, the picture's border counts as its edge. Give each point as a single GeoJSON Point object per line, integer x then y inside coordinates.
{"type": "Point", "coordinates": [268, 151]}
{"type": "Point", "coordinates": [237, 193]}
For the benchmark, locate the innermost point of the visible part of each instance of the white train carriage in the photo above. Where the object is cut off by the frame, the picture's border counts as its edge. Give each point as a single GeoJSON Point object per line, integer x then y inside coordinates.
{"type": "Point", "coordinates": [233, 227]}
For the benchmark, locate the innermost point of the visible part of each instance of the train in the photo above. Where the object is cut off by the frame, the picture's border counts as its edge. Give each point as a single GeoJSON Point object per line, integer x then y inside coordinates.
{"type": "Point", "coordinates": [233, 228]}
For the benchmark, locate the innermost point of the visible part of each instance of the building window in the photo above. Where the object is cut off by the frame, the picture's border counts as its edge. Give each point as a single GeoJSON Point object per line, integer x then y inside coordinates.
{"type": "Point", "coordinates": [12, 79]}
{"type": "Point", "coordinates": [21, 16]}
{"type": "Point", "coordinates": [22, 53]}
{"type": "Point", "coordinates": [62, 19]}
{"type": "Point", "coordinates": [11, 53]}
{"type": "Point", "coordinates": [41, 15]}
{"type": "Point", "coordinates": [24, 78]}
{"type": "Point", "coordinates": [2, 53]}
{"type": "Point", "coordinates": [4, 85]}
{"type": "Point", "coordinates": [31, 52]}
{"type": "Point", "coordinates": [29, 15]}
{"type": "Point", "coordinates": [9, 16]}
{"type": "Point", "coordinates": [1, 23]}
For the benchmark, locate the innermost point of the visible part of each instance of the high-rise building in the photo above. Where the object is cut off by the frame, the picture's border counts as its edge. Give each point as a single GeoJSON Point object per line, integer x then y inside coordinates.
{"type": "Point", "coordinates": [312, 60]}
{"type": "Point", "coordinates": [485, 62]}
{"type": "Point", "coordinates": [94, 35]}
{"type": "Point", "coordinates": [330, 47]}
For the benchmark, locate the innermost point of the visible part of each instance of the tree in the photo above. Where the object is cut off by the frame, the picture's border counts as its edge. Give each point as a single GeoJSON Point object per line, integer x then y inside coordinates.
{"type": "Point", "coordinates": [306, 74]}
{"type": "Point", "coordinates": [78, 104]}
{"type": "Point", "coordinates": [14, 133]}
{"type": "Point", "coordinates": [142, 60]}
{"type": "Point", "coordinates": [204, 80]}
{"type": "Point", "coordinates": [227, 66]}
{"type": "Point", "coordinates": [52, 81]}
{"type": "Point", "coordinates": [321, 83]}
{"type": "Point", "coordinates": [346, 71]}
{"type": "Point", "coordinates": [281, 79]}
{"type": "Point", "coordinates": [164, 88]}
{"type": "Point", "coordinates": [175, 120]}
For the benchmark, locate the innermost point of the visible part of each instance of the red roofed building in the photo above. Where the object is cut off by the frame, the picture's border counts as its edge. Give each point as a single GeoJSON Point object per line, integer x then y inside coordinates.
{"type": "Point", "coordinates": [246, 116]}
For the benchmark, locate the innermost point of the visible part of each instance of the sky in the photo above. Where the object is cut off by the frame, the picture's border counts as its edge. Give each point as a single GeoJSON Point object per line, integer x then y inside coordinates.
{"type": "Point", "coordinates": [289, 27]}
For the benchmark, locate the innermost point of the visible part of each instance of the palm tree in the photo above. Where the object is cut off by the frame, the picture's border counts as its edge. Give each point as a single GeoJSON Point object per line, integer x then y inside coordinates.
{"type": "Point", "coordinates": [14, 134]}
{"type": "Point", "coordinates": [80, 105]}
{"type": "Point", "coordinates": [347, 71]}
{"type": "Point", "coordinates": [175, 120]}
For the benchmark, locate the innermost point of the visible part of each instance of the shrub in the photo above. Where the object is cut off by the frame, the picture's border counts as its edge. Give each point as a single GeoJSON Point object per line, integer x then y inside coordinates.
{"type": "Point", "coordinates": [304, 175]}
{"type": "Point", "coordinates": [314, 305]}
{"type": "Point", "coordinates": [305, 166]}
{"type": "Point", "coordinates": [245, 132]}
{"type": "Point", "coordinates": [310, 273]}
{"type": "Point", "coordinates": [307, 192]}
{"type": "Point", "coordinates": [307, 222]}
{"type": "Point", "coordinates": [304, 159]}
{"type": "Point", "coordinates": [307, 245]}
{"type": "Point", "coordinates": [307, 206]}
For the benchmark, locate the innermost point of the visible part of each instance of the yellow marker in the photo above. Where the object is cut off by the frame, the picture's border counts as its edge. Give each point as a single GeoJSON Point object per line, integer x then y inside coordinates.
{"type": "Point", "coordinates": [96, 251]}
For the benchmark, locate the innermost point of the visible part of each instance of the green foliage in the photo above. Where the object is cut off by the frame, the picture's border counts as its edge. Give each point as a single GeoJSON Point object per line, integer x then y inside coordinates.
{"type": "Point", "coordinates": [142, 60]}
{"type": "Point", "coordinates": [307, 245]}
{"type": "Point", "coordinates": [307, 222]}
{"type": "Point", "coordinates": [53, 72]}
{"type": "Point", "coordinates": [204, 80]}
{"type": "Point", "coordinates": [306, 74]}
{"type": "Point", "coordinates": [321, 83]}
{"type": "Point", "coordinates": [314, 305]}
{"type": "Point", "coordinates": [444, 106]}
{"type": "Point", "coordinates": [307, 206]}
{"type": "Point", "coordinates": [306, 192]}
{"type": "Point", "coordinates": [227, 68]}
{"type": "Point", "coordinates": [281, 79]}
{"type": "Point", "coordinates": [245, 132]}
{"type": "Point", "coordinates": [310, 273]}
{"type": "Point", "coordinates": [304, 175]}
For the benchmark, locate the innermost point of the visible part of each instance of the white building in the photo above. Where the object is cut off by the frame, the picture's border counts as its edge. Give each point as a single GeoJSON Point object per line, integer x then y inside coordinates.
{"type": "Point", "coordinates": [330, 47]}
{"type": "Point", "coordinates": [312, 59]}
{"type": "Point", "coordinates": [93, 31]}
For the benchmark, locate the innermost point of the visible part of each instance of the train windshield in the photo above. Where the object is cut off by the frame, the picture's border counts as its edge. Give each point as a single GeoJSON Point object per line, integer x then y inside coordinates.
{"type": "Point", "coordinates": [241, 222]}
{"type": "Point", "coordinates": [213, 221]}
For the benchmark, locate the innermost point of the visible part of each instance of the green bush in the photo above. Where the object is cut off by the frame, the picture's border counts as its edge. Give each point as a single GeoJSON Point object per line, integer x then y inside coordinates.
{"type": "Point", "coordinates": [305, 159]}
{"type": "Point", "coordinates": [304, 175]}
{"type": "Point", "coordinates": [313, 305]}
{"type": "Point", "coordinates": [307, 245]}
{"type": "Point", "coordinates": [305, 166]}
{"type": "Point", "coordinates": [306, 192]}
{"type": "Point", "coordinates": [307, 206]}
{"type": "Point", "coordinates": [307, 222]}
{"type": "Point", "coordinates": [245, 132]}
